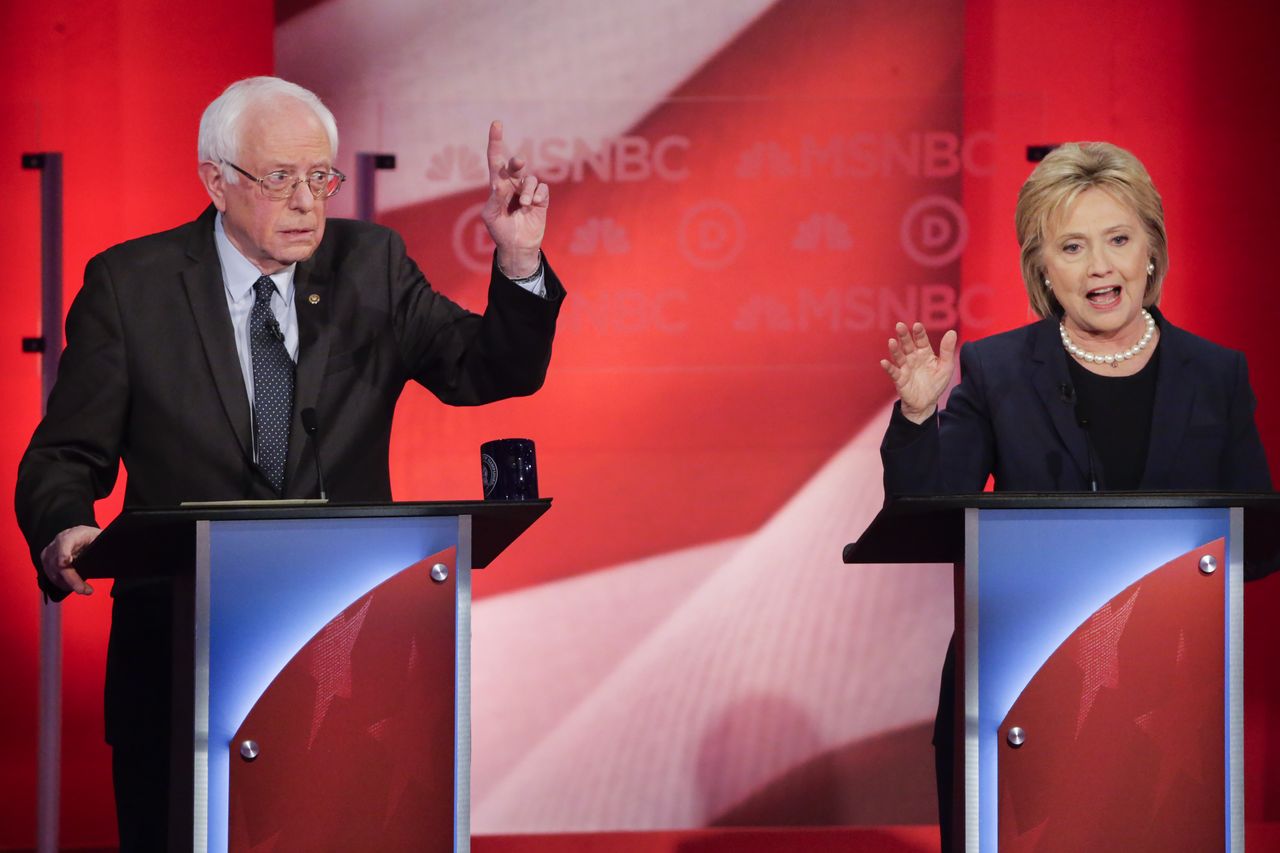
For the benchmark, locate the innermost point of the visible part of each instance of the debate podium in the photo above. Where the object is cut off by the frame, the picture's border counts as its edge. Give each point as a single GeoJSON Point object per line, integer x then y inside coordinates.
{"type": "Point", "coordinates": [321, 666]}
{"type": "Point", "coordinates": [1099, 649]}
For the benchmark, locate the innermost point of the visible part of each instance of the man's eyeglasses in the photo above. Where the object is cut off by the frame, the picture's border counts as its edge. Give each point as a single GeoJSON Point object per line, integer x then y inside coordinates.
{"type": "Point", "coordinates": [278, 186]}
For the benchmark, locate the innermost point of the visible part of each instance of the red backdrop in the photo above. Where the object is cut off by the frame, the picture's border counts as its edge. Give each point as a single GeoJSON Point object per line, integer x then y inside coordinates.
{"type": "Point", "coordinates": [1176, 84]}
{"type": "Point", "coordinates": [117, 86]}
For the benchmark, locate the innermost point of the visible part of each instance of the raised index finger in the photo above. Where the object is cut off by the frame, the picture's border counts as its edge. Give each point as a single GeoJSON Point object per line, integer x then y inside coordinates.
{"type": "Point", "coordinates": [496, 153]}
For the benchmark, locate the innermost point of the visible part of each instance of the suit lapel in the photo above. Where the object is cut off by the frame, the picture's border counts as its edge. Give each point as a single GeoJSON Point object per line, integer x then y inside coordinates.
{"type": "Point", "coordinates": [1052, 382]}
{"type": "Point", "coordinates": [1175, 399]}
{"type": "Point", "coordinates": [207, 296]}
{"type": "Point", "coordinates": [312, 299]}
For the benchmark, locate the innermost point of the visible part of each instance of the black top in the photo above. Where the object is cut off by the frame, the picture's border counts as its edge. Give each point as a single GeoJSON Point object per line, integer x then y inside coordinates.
{"type": "Point", "coordinates": [1011, 416]}
{"type": "Point", "coordinates": [1116, 413]}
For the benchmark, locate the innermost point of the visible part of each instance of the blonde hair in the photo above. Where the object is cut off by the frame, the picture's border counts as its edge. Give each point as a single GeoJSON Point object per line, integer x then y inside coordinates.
{"type": "Point", "coordinates": [1057, 181]}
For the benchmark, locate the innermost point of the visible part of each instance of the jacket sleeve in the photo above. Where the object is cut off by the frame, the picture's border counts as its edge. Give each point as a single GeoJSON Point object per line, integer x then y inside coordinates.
{"type": "Point", "coordinates": [1244, 463]}
{"type": "Point", "coordinates": [467, 359]}
{"type": "Point", "coordinates": [952, 453]}
{"type": "Point", "coordinates": [74, 456]}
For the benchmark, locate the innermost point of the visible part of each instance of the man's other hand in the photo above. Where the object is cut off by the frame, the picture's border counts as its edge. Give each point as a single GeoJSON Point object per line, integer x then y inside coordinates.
{"type": "Point", "coordinates": [58, 555]}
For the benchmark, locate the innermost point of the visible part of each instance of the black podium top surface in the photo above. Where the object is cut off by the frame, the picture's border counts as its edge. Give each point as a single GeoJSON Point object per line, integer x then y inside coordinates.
{"type": "Point", "coordinates": [930, 529]}
{"type": "Point", "coordinates": [143, 537]}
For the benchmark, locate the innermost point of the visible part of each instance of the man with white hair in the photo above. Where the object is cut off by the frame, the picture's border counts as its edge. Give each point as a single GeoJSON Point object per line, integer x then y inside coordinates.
{"type": "Point", "coordinates": [192, 353]}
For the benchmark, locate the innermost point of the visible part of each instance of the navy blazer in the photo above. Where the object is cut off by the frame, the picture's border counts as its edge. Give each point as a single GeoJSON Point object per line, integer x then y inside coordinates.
{"type": "Point", "coordinates": [1012, 416]}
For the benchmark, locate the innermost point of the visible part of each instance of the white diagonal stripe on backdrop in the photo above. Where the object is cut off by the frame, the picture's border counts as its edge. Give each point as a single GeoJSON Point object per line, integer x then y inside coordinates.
{"type": "Point", "coordinates": [770, 653]}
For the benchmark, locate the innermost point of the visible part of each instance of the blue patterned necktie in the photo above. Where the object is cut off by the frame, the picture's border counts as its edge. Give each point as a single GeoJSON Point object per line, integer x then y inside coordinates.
{"type": "Point", "coordinates": [272, 386]}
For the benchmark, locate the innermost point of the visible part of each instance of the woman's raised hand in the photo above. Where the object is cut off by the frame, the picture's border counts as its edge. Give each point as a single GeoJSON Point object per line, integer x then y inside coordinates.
{"type": "Point", "coordinates": [920, 374]}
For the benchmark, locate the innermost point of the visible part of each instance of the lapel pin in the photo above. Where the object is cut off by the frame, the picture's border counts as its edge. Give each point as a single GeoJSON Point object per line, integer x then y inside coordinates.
{"type": "Point", "coordinates": [313, 298]}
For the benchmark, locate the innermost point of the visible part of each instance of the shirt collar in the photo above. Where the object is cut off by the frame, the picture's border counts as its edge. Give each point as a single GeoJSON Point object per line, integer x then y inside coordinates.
{"type": "Point", "coordinates": [239, 275]}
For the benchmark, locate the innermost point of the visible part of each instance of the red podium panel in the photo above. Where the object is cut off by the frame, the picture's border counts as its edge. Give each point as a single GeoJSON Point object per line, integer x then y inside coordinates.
{"type": "Point", "coordinates": [349, 734]}
{"type": "Point", "coordinates": [1099, 648]}
{"type": "Point", "coordinates": [1123, 725]}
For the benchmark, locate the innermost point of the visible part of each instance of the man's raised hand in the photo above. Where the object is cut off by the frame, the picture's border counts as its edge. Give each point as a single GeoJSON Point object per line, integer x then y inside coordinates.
{"type": "Point", "coordinates": [516, 212]}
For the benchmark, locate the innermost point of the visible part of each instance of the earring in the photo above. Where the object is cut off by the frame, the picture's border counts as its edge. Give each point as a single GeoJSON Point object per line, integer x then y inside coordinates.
{"type": "Point", "coordinates": [1047, 283]}
{"type": "Point", "coordinates": [1151, 267]}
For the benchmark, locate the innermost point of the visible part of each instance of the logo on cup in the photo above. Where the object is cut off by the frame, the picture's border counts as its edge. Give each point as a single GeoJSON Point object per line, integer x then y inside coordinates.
{"type": "Point", "coordinates": [488, 473]}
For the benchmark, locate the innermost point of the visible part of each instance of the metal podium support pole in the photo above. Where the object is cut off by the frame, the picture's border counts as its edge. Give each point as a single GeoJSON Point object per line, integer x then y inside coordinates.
{"type": "Point", "coordinates": [49, 345]}
{"type": "Point", "coordinates": [367, 164]}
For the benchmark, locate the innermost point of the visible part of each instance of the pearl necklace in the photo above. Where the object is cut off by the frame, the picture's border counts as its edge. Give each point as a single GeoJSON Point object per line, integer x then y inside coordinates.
{"type": "Point", "coordinates": [1113, 359]}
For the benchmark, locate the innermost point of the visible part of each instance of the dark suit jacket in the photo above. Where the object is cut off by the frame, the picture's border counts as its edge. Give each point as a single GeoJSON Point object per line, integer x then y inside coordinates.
{"type": "Point", "coordinates": [150, 377]}
{"type": "Point", "coordinates": [1011, 416]}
